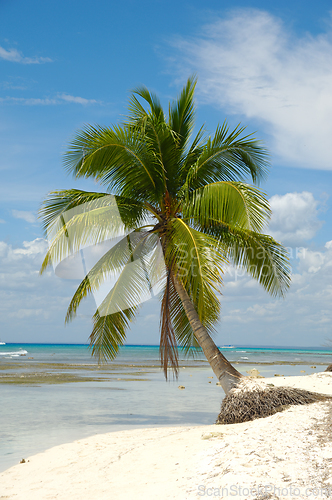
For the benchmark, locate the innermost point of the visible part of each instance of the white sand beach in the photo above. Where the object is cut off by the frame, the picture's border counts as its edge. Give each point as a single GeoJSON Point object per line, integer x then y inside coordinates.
{"type": "Point", "coordinates": [288, 454]}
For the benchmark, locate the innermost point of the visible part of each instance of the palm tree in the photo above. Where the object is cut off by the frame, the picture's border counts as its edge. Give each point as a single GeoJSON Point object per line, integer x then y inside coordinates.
{"type": "Point", "coordinates": [187, 200]}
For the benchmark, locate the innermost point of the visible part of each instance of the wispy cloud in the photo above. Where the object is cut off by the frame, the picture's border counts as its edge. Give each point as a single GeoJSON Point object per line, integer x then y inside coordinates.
{"type": "Point", "coordinates": [76, 100]}
{"type": "Point", "coordinates": [29, 101]}
{"type": "Point", "coordinates": [14, 83]}
{"type": "Point", "coordinates": [2, 221]}
{"type": "Point", "coordinates": [25, 215]}
{"type": "Point", "coordinates": [250, 64]}
{"type": "Point", "coordinates": [49, 101]}
{"type": "Point", "coordinates": [14, 55]}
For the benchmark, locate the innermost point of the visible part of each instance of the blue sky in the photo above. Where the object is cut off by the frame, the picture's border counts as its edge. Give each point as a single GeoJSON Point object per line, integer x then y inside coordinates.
{"type": "Point", "coordinates": [267, 65]}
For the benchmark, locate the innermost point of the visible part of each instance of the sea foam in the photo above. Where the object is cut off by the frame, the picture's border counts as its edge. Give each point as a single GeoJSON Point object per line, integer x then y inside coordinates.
{"type": "Point", "coordinates": [16, 353]}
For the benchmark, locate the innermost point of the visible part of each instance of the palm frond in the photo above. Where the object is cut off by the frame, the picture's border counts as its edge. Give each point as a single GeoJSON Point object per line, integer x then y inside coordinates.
{"type": "Point", "coordinates": [137, 113]}
{"type": "Point", "coordinates": [119, 158]}
{"type": "Point", "coordinates": [182, 114]}
{"type": "Point", "coordinates": [73, 219]}
{"type": "Point", "coordinates": [58, 202]}
{"type": "Point", "coordinates": [229, 157]}
{"type": "Point", "coordinates": [156, 108]}
{"type": "Point", "coordinates": [264, 259]}
{"type": "Point", "coordinates": [191, 157]}
{"type": "Point", "coordinates": [260, 255]}
{"type": "Point", "coordinates": [109, 333]}
{"type": "Point", "coordinates": [84, 225]}
{"type": "Point", "coordinates": [168, 347]}
{"type": "Point", "coordinates": [230, 203]}
{"type": "Point", "coordinates": [163, 140]}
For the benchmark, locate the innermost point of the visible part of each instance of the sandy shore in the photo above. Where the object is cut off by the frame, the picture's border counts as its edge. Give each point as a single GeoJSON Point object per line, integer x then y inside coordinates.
{"type": "Point", "coordinates": [286, 455]}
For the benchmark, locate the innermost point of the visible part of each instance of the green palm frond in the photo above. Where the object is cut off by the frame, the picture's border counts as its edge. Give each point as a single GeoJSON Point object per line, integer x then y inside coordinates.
{"type": "Point", "coordinates": [264, 259]}
{"type": "Point", "coordinates": [191, 158]}
{"type": "Point", "coordinates": [83, 290]}
{"type": "Point", "coordinates": [182, 114]}
{"type": "Point", "coordinates": [230, 203]}
{"type": "Point", "coordinates": [83, 226]}
{"type": "Point", "coordinates": [229, 157]}
{"type": "Point", "coordinates": [119, 158]}
{"type": "Point", "coordinates": [168, 346]}
{"type": "Point", "coordinates": [136, 109]}
{"type": "Point", "coordinates": [137, 113]}
{"type": "Point", "coordinates": [260, 255]}
{"type": "Point", "coordinates": [162, 138]}
{"type": "Point", "coordinates": [109, 333]}
{"type": "Point", "coordinates": [58, 202]}
{"type": "Point", "coordinates": [73, 219]}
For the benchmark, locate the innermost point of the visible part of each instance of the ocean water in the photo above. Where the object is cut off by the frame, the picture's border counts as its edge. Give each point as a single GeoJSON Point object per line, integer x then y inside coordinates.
{"type": "Point", "coordinates": [52, 394]}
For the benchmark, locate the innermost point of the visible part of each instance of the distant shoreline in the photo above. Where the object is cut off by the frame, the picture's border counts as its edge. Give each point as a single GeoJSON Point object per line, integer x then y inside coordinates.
{"type": "Point", "coordinates": [156, 346]}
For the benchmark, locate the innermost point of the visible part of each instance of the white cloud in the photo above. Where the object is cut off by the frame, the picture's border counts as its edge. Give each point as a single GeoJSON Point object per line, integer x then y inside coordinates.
{"type": "Point", "coordinates": [32, 248]}
{"type": "Point", "coordinates": [28, 313]}
{"type": "Point", "coordinates": [25, 215]}
{"type": "Point", "coordinates": [14, 55]}
{"type": "Point", "coordinates": [49, 101]}
{"type": "Point", "coordinates": [304, 317]}
{"type": "Point", "coordinates": [2, 221]}
{"type": "Point", "coordinates": [311, 261]}
{"type": "Point", "coordinates": [262, 310]}
{"type": "Point", "coordinates": [3, 248]}
{"type": "Point", "coordinates": [294, 218]}
{"type": "Point", "coordinates": [33, 307]}
{"type": "Point", "coordinates": [251, 64]}
{"type": "Point", "coordinates": [76, 100]}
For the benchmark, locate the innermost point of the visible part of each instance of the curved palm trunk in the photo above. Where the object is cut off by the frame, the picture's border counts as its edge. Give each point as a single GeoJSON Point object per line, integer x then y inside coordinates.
{"type": "Point", "coordinates": [227, 375]}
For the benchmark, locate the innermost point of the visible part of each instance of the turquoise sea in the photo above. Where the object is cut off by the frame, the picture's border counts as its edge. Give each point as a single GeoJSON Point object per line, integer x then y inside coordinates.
{"type": "Point", "coordinates": [52, 394]}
